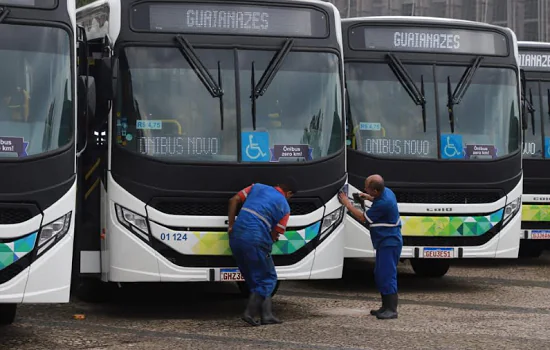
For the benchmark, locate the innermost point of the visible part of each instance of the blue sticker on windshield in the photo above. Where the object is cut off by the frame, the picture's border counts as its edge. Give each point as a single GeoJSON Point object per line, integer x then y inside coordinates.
{"type": "Point", "coordinates": [14, 145]}
{"type": "Point", "coordinates": [149, 125]}
{"type": "Point", "coordinates": [370, 126]}
{"type": "Point", "coordinates": [451, 146]}
{"type": "Point", "coordinates": [547, 147]}
{"type": "Point", "coordinates": [255, 146]}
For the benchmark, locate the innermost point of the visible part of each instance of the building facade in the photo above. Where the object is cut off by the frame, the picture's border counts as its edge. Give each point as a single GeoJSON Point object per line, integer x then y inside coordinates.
{"type": "Point", "coordinates": [529, 19]}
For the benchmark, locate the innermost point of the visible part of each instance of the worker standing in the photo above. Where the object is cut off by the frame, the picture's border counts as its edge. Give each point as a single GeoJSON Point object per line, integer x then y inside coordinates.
{"type": "Point", "coordinates": [384, 223]}
{"type": "Point", "coordinates": [262, 218]}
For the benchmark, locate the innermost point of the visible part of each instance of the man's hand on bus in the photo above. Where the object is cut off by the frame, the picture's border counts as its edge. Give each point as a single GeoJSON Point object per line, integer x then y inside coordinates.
{"type": "Point", "coordinates": [274, 235]}
{"type": "Point", "coordinates": [365, 196]}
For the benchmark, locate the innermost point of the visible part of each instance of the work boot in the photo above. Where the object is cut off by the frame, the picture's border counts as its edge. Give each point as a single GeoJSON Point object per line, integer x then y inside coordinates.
{"type": "Point", "coordinates": [252, 309]}
{"type": "Point", "coordinates": [391, 311]}
{"type": "Point", "coordinates": [267, 314]}
{"type": "Point", "coordinates": [382, 308]}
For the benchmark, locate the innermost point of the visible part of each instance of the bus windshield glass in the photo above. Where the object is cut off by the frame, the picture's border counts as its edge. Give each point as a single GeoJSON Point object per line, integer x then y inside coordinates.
{"type": "Point", "coordinates": [386, 121]}
{"type": "Point", "coordinates": [36, 107]}
{"type": "Point", "coordinates": [166, 111]}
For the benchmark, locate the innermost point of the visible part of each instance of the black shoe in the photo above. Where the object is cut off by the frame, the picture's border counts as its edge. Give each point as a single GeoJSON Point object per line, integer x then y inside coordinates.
{"type": "Point", "coordinates": [267, 314]}
{"type": "Point", "coordinates": [252, 309]}
{"type": "Point", "coordinates": [382, 308]}
{"type": "Point", "coordinates": [391, 311]}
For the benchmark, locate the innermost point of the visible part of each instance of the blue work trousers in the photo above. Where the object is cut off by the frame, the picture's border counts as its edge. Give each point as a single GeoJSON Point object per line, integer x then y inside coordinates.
{"type": "Point", "coordinates": [255, 263]}
{"type": "Point", "coordinates": [385, 269]}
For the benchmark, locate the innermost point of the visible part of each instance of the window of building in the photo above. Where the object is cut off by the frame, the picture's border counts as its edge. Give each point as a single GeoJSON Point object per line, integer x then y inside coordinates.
{"type": "Point", "coordinates": [531, 9]}
{"type": "Point", "coordinates": [500, 11]}
{"type": "Point", "coordinates": [439, 9]}
{"type": "Point", "coordinates": [407, 9]}
{"type": "Point", "coordinates": [531, 31]}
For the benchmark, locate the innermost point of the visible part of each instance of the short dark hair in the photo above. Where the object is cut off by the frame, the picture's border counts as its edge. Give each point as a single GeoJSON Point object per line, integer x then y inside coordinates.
{"type": "Point", "coordinates": [289, 184]}
{"type": "Point", "coordinates": [377, 185]}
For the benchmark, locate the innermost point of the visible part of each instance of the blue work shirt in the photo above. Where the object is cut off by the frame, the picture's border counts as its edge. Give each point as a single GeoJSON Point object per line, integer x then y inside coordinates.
{"type": "Point", "coordinates": [265, 209]}
{"type": "Point", "coordinates": [384, 222]}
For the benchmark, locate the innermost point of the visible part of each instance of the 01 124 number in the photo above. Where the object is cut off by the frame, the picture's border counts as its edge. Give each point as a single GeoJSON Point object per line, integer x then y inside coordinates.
{"type": "Point", "coordinates": [176, 236]}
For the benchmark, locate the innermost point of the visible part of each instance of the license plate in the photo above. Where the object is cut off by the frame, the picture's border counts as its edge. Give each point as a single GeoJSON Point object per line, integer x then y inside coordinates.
{"type": "Point", "coordinates": [439, 253]}
{"type": "Point", "coordinates": [540, 234]}
{"type": "Point", "coordinates": [231, 275]}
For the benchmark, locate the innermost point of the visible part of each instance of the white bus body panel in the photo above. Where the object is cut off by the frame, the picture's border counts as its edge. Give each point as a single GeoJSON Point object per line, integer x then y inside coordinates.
{"type": "Point", "coordinates": [543, 200]}
{"type": "Point", "coordinates": [126, 258]}
{"type": "Point", "coordinates": [48, 278]}
{"type": "Point", "coordinates": [503, 245]}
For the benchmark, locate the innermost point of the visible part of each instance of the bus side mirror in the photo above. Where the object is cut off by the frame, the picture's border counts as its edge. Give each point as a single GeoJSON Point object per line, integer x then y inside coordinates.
{"type": "Point", "coordinates": [86, 106]}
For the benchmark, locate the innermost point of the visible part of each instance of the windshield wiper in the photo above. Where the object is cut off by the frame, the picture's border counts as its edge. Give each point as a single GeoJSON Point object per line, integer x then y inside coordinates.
{"type": "Point", "coordinates": [4, 12]}
{"type": "Point", "coordinates": [531, 110]}
{"type": "Point", "coordinates": [408, 84]}
{"type": "Point", "coordinates": [269, 73]}
{"type": "Point", "coordinates": [455, 97]}
{"type": "Point", "coordinates": [202, 72]}
{"type": "Point", "coordinates": [220, 86]}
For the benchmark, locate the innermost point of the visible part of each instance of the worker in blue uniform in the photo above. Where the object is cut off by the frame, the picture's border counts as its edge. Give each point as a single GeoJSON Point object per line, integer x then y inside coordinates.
{"type": "Point", "coordinates": [262, 218]}
{"type": "Point", "coordinates": [384, 223]}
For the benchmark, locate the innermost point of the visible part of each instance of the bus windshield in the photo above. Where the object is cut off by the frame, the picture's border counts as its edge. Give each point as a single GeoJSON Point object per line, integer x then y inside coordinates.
{"type": "Point", "coordinates": [36, 107]}
{"type": "Point", "coordinates": [165, 110]}
{"type": "Point", "coordinates": [537, 135]}
{"type": "Point", "coordinates": [387, 122]}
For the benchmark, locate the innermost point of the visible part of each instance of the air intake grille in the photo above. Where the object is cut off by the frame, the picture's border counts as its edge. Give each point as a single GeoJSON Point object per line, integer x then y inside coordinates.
{"type": "Point", "coordinates": [14, 215]}
{"type": "Point", "coordinates": [428, 196]}
{"type": "Point", "coordinates": [214, 208]}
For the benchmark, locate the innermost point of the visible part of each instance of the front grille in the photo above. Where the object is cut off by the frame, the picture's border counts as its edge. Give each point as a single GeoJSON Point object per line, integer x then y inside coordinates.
{"type": "Point", "coordinates": [218, 208]}
{"type": "Point", "coordinates": [10, 216]}
{"type": "Point", "coordinates": [430, 196]}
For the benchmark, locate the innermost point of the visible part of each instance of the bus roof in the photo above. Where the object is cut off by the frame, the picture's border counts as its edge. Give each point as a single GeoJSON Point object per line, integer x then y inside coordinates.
{"type": "Point", "coordinates": [111, 9]}
{"type": "Point", "coordinates": [423, 20]}
{"type": "Point", "coordinates": [523, 45]}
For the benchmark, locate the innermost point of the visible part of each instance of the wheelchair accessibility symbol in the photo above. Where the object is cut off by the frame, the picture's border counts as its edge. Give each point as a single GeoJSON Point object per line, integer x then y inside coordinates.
{"type": "Point", "coordinates": [547, 146]}
{"type": "Point", "coordinates": [255, 146]}
{"type": "Point", "coordinates": [451, 146]}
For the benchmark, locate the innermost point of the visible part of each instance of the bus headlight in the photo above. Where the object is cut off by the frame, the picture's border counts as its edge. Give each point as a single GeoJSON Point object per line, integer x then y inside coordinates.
{"type": "Point", "coordinates": [511, 210]}
{"type": "Point", "coordinates": [133, 222]}
{"type": "Point", "coordinates": [53, 232]}
{"type": "Point", "coordinates": [331, 221]}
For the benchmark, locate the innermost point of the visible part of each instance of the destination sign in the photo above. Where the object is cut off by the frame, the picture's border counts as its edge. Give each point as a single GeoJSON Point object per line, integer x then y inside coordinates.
{"type": "Point", "coordinates": [534, 60]}
{"type": "Point", "coordinates": [30, 3]}
{"type": "Point", "coordinates": [213, 18]}
{"type": "Point", "coordinates": [436, 40]}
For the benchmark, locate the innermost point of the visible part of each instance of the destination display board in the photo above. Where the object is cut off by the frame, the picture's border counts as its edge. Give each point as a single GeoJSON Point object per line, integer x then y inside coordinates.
{"type": "Point", "coordinates": [228, 18]}
{"type": "Point", "coordinates": [534, 60]}
{"type": "Point", "coordinates": [30, 3]}
{"type": "Point", "coordinates": [432, 40]}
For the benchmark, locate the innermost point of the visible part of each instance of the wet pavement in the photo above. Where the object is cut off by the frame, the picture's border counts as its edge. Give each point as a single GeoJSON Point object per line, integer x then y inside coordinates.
{"type": "Point", "coordinates": [479, 304]}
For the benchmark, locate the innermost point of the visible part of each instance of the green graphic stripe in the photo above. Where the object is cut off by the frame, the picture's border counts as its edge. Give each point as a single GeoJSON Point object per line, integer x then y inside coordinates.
{"type": "Point", "coordinates": [449, 226]}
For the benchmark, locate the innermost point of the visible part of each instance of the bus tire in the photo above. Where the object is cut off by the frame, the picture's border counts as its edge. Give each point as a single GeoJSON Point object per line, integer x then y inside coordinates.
{"type": "Point", "coordinates": [245, 292]}
{"type": "Point", "coordinates": [529, 250]}
{"type": "Point", "coordinates": [430, 267]}
{"type": "Point", "coordinates": [92, 290]}
{"type": "Point", "coordinates": [7, 314]}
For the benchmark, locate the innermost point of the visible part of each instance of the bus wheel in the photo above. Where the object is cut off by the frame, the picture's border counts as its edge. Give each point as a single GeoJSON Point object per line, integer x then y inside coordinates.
{"type": "Point", "coordinates": [7, 314]}
{"type": "Point", "coordinates": [245, 292]}
{"type": "Point", "coordinates": [92, 290]}
{"type": "Point", "coordinates": [430, 267]}
{"type": "Point", "coordinates": [530, 249]}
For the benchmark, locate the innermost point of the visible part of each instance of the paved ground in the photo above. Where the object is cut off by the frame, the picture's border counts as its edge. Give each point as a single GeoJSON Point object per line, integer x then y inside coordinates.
{"type": "Point", "coordinates": [481, 304]}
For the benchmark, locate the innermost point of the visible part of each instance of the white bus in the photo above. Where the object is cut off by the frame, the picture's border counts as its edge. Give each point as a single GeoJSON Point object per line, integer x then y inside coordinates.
{"type": "Point", "coordinates": [434, 107]}
{"type": "Point", "coordinates": [208, 98]}
{"type": "Point", "coordinates": [38, 123]}
{"type": "Point", "coordinates": [535, 218]}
